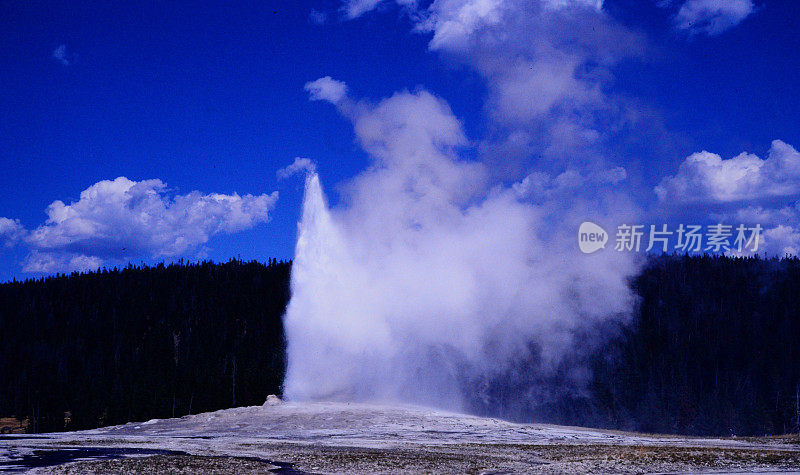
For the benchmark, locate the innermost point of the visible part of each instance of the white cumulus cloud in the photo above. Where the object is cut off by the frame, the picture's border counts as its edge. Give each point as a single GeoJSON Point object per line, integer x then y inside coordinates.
{"type": "Point", "coordinates": [706, 177]}
{"type": "Point", "coordinates": [122, 218]}
{"type": "Point", "coordinates": [744, 189]}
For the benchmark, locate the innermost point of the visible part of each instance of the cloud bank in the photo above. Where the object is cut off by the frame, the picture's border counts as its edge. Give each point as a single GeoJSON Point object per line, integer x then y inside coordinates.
{"type": "Point", "coordinates": [122, 219]}
{"type": "Point", "coordinates": [705, 177]}
{"type": "Point", "coordinates": [743, 189]}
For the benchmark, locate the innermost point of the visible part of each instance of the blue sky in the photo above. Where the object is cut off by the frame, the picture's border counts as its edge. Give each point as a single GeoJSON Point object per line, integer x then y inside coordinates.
{"type": "Point", "coordinates": [211, 97]}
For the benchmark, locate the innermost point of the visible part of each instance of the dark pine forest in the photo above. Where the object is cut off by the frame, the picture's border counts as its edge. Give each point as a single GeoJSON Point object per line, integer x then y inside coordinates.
{"type": "Point", "coordinates": [713, 348]}
{"type": "Point", "coordinates": [139, 343]}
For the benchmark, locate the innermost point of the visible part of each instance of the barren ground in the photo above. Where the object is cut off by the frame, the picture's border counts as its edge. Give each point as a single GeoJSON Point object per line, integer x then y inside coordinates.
{"type": "Point", "coordinates": [348, 438]}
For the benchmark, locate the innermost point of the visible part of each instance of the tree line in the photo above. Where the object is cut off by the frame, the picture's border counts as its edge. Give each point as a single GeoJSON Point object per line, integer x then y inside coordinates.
{"type": "Point", "coordinates": [712, 348]}
{"type": "Point", "coordinates": [86, 350]}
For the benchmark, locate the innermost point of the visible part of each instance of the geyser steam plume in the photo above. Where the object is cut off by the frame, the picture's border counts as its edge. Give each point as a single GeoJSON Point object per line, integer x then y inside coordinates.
{"type": "Point", "coordinates": [428, 283]}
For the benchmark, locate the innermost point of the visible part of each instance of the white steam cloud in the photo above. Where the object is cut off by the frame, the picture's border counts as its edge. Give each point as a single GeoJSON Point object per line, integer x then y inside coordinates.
{"type": "Point", "coordinates": [431, 281]}
{"type": "Point", "coordinates": [300, 164]}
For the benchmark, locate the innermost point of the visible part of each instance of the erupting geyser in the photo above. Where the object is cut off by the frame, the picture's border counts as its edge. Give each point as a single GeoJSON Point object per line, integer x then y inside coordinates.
{"type": "Point", "coordinates": [429, 284]}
